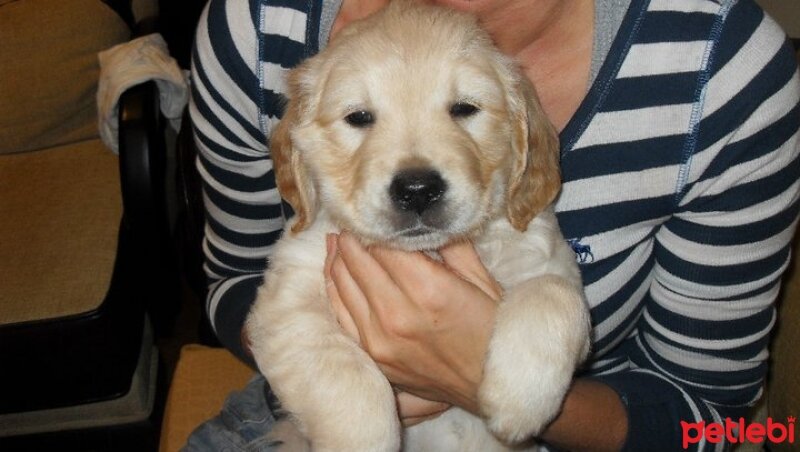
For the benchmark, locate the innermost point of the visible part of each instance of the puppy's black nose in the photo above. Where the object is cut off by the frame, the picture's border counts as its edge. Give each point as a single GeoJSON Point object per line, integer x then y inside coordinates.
{"type": "Point", "coordinates": [417, 190]}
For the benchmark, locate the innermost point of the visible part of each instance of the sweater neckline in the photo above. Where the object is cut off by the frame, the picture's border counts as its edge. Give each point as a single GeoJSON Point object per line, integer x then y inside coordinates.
{"type": "Point", "coordinates": [625, 37]}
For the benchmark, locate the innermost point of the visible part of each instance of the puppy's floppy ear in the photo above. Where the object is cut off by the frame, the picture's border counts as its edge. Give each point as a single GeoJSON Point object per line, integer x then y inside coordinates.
{"type": "Point", "coordinates": [535, 176]}
{"type": "Point", "coordinates": [291, 176]}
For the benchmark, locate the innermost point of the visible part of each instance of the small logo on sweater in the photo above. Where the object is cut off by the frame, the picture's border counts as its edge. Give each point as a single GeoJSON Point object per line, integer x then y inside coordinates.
{"type": "Point", "coordinates": [738, 432]}
{"type": "Point", "coordinates": [583, 253]}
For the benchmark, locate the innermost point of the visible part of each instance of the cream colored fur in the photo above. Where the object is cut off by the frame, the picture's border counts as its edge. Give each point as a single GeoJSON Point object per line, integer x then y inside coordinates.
{"type": "Point", "coordinates": [407, 66]}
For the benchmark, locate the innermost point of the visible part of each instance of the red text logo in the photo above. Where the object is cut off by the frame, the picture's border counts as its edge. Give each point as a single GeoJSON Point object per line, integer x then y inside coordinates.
{"type": "Point", "coordinates": [738, 432]}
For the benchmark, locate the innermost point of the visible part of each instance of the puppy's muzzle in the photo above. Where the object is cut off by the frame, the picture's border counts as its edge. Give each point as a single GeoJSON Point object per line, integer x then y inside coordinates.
{"type": "Point", "coordinates": [417, 190]}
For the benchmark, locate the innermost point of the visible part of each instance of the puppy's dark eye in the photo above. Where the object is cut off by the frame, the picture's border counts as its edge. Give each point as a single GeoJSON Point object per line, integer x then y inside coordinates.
{"type": "Point", "coordinates": [360, 119]}
{"type": "Point", "coordinates": [463, 110]}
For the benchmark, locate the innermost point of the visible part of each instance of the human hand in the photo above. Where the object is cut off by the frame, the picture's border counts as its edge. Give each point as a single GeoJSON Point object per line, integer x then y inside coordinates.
{"type": "Point", "coordinates": [426, 324]}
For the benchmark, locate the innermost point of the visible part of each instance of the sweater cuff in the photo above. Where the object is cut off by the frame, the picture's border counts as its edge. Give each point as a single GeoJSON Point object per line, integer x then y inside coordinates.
{"type": "Point", "coordinates": [655, 408]}
{"type": "Point", "coordinates": [233, 306]}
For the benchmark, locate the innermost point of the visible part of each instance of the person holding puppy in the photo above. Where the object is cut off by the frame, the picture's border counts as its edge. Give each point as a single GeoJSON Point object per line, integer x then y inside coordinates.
{"type": "Point", "coordinates": [678, 124]}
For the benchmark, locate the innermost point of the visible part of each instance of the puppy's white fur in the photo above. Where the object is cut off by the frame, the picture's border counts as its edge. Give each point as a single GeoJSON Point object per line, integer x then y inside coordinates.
{"type": "Point", "coordinates": [407, 66]}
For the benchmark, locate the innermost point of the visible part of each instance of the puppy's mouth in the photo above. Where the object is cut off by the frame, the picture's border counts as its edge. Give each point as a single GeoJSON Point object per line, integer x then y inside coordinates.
{"type": "Point", "coordinates": [417, 232]}
{"type": "Point", "coordinates": [420, 234]}
{"type": "Point", "coordinates": [419, 238]}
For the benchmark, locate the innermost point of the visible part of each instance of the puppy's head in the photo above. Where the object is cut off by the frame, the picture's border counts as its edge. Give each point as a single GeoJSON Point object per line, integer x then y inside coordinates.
{"type": "Point", "coordinates": [412, 130]}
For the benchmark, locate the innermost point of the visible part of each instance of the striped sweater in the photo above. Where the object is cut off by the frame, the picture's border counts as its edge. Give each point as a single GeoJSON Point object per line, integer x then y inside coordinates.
{"type": "Point", "coordinates": [680, 192]}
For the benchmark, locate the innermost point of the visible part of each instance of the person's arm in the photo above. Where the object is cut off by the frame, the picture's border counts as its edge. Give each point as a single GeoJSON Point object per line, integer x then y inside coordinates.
{"type": "Point", "coordinates": [699, 353]}
{"type": "Point", "coordinates": [242, 204]}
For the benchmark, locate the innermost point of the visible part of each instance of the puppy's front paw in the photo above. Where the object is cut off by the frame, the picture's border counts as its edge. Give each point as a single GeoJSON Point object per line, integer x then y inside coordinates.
{"type": "Point", "coordinates": [368, 431]}
{"type": "Point", "coordinates": [541, 334]}
{"type": "Point", "coordinates": [516, 414]}
{"type": "Point", "coordinates": [352, 408]}
{"type": "Point", "coordinates": [286, 437]}
{"type": "Point", "coordinates": [368, 435]}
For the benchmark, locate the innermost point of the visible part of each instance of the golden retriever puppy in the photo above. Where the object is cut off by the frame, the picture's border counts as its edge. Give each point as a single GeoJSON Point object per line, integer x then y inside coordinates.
{"type": "Point", "coordinates": [411, 131]}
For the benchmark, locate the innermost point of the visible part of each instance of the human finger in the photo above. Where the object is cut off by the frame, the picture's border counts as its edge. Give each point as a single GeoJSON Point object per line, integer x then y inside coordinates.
{"type": "Point", "coordinates": [414, 273]}
{"type": "Point", "coordinates": [463, 258]}
{"type": "Point", "coordinates": [366, 272]}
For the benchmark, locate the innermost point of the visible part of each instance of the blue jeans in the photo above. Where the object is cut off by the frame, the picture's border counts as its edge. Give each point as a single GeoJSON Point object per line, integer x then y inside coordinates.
{"type": "Point", "coordinates": [242, 425]}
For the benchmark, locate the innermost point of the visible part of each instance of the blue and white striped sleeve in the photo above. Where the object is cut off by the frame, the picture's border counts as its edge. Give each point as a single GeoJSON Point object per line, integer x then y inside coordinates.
{"type": "Point", "coordinates": [243, 207]}
{"type": "Point", "coordinates": [699, 352]}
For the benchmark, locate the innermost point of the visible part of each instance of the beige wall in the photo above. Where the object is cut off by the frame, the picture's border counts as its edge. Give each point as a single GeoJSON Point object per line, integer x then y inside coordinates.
{"type": "Point", "coordinates": [786, 12]}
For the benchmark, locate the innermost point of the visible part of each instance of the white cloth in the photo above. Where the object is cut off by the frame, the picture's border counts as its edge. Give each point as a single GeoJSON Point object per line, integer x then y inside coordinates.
{"type": "Point", "coordinates": [132, 63]}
